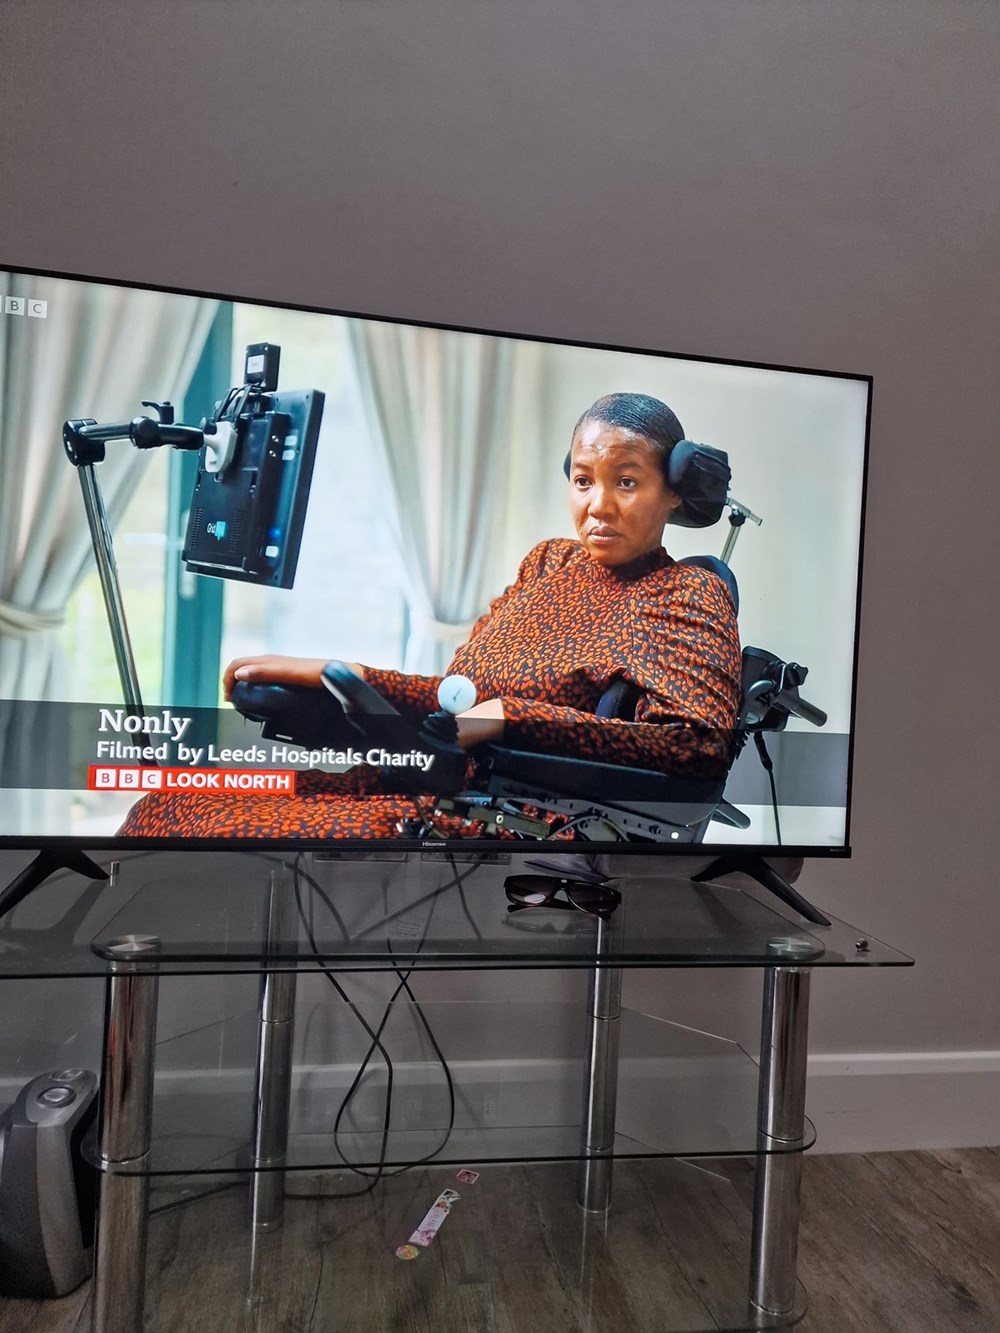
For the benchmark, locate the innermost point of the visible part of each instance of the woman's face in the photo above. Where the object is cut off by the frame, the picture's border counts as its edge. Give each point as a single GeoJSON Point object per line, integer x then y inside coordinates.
{"type": "Point", "coordinates": [619, 499]}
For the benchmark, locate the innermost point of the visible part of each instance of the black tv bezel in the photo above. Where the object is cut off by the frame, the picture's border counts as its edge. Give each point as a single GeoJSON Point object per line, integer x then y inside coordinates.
{"type": "Point", "coordinates": [444, 846]}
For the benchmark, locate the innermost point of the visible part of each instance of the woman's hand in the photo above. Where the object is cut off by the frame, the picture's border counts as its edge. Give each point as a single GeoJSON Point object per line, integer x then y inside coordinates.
{"type": "Point", "coordinates": [273, 669]}
{"type": "Point", "coordinates": [481, 723]}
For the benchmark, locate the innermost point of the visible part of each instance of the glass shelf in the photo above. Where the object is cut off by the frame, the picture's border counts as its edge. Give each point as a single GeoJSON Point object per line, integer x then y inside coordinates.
{"type": "Point", "coordinates": [516, 1252]}
{"type": "Point", "coordinates": [374, 914]}
{"type": "Point", "coordinates": [681, 1092]}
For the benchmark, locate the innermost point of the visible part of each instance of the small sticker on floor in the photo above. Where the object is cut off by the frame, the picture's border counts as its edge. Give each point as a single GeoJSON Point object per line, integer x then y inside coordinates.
{"type": "Point", "coordinates": [433, 1219]}
{"type": "Point", "coordinates": [407, 1252]}
{"type": "Point", "coordinates": [467, 1177]}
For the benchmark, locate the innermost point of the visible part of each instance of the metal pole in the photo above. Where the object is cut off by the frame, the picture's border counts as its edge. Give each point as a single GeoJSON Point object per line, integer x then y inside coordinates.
{"type": "Point", "coordinates": [781, 1133]}
{"type": "Point", "coordinates": [600, 1086]}
{"type": "Point", "coordinates": [125, 1133]}
{"type": "Point", "coordinates": [104, 553]}
{"type": "Point", "coordinates": [273, 1088]}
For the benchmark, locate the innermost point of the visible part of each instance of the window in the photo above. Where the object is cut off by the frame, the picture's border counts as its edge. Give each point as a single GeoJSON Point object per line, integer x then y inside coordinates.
{"type": "Point", "coordinates": [140, 554]}
{"type": "Point", "coordinates": [347, 600]}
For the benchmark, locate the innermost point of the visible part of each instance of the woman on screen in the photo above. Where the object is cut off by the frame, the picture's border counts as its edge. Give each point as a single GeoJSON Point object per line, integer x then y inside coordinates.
{"type": "Point", "coordinates": [611, 605]}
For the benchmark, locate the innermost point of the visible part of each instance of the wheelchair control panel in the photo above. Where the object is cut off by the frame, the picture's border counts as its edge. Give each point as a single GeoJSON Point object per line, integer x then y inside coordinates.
{"type": "Point", "coordinates": [347, 712]}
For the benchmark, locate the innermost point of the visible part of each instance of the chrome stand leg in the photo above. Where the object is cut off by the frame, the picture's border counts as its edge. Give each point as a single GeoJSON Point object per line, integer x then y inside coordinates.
{"type": "Point", "coordinates": [273, 1088]}
{"type": "Point", "coordinates": [781, 1126]}
{"type": "Point", "coordinates": [600, 1088]}
{"type": "Point", "coordinates": [125, 1134]}
{"type": "Point", "coordinates": [107, 570]}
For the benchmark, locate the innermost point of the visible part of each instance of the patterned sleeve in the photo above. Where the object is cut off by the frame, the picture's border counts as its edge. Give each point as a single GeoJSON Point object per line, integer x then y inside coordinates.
{"type": "Point", "coordinates": [541, 559]}
{"type": "Point", "coordinates": [686, 663]}
{"type": "Point", "coordinates": [416, 696]}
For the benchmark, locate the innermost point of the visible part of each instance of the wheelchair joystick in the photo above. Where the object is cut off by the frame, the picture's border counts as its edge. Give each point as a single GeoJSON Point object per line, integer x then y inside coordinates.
{"type": "Point", "coordinates": [456, 694]}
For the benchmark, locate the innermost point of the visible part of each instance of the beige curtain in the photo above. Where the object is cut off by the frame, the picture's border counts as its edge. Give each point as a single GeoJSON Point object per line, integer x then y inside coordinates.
{"type": "Point", "coordinates": [98, 352]}
{"type": "Point", "coordinates": [440, 407]}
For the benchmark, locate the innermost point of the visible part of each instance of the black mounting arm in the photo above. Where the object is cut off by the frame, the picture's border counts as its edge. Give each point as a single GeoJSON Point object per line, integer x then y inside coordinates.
{"type": "Point", "coordinates": [84, 440]}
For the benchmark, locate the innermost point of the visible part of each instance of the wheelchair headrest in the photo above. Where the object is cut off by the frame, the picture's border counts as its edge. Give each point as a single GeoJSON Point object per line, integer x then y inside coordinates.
{"type": "Point", "coordinates": [700, 476]}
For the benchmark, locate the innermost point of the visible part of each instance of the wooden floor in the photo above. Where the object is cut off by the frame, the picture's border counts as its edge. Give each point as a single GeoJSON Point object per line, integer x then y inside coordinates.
{"type": "Point", "coordinates": [907, 1242]}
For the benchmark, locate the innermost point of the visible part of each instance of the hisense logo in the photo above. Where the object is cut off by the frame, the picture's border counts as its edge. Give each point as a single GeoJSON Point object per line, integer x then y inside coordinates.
{"type": "Point", "coordinates": [217, 529]}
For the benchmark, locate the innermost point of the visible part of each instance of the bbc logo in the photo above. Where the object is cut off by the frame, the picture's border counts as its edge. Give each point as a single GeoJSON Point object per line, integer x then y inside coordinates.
{"type": "Point", "coordinates": [26, 305]}
{"type": "Point", "coordinates": [125, 779]}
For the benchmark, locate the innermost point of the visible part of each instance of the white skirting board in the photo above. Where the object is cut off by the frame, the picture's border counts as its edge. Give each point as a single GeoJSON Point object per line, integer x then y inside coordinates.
{"type": "Point", "coordinates": [889, 1102]}
{"type": "Point", "coordinates": [881, 1102]}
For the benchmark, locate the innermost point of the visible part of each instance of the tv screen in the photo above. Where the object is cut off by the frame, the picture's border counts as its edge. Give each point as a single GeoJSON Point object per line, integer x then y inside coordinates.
{"type": "Point", "coordinates": [311, 578]}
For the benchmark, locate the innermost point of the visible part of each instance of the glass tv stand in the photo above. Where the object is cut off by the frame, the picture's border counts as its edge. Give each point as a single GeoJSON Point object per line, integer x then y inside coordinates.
{"type": "Point", "coordinates": [603, 1082]}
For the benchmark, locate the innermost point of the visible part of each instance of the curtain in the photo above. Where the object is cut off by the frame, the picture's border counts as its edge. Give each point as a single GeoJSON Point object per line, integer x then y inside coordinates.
{"type": "Point", "coordinates": [98, 352]}
{"type": "Point", "coordinates": [440, 407]}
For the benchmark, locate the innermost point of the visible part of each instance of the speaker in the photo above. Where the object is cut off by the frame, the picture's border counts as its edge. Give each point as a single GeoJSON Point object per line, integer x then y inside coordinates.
{"type": "Point", "coordinates": [47, 1191]}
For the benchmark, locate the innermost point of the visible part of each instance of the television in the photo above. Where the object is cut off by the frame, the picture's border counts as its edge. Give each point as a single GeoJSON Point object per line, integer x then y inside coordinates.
{"type": "Point", "coordinates": [404, 515]}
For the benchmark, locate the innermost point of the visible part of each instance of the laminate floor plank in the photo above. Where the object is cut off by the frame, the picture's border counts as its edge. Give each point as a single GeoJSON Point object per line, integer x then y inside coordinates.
{"type": "Point", "coordinates": [876, 1279]}
{"type": "Point", "coordinates": [605, 1263]}
{"type": "Point", "coordinates": [961, 1187]}
{"type": "Point", "coordinates": [709, 1239]}
{"type": "Point", "coordinates": [529, 1290]}
{"type": "Point", "coordinates": [360, 1284]}
{"type": "Point", "coordinates": [889, 1243]}
{"type": "Point", "coordinates": [945, 1225]}
{"type": "Point", "coordinates": [56, 1316]}
{"type": "Point", "coordinates": [197, 1242]}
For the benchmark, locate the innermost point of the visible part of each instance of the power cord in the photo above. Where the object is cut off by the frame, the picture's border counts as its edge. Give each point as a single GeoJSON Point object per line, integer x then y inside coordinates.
{"type": "Point", "coordinates": [376, 1045]}
{"type": "Point", "coordinates": [765, 759]}
{"type": "Point", "coordinates": [457, 881]}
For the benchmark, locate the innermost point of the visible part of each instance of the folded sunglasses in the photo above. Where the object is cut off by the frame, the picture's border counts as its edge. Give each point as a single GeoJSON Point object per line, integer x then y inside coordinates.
{"type": "Point", "coordinates": [541, 891]}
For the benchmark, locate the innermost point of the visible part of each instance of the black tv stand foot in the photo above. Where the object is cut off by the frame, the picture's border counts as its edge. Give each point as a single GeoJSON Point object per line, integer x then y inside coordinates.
{"type": "Point", "coordinates": [758, 869]}
{"type": "Point", "coordinates": [46, 863]}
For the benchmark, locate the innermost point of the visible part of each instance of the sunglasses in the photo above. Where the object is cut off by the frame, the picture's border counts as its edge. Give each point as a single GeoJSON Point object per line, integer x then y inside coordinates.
{"type": "Point", "coordinates": [540, 891]}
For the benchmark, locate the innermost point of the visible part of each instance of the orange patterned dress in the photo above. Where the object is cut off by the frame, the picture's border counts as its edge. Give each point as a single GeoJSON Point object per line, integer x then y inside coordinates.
{"type": "Point", "coordinates": [548, 647]}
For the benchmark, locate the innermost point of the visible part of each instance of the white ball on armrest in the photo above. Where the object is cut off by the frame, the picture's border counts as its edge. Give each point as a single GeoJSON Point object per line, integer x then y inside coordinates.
{"type": "Point", "coordinates": [456, 694]}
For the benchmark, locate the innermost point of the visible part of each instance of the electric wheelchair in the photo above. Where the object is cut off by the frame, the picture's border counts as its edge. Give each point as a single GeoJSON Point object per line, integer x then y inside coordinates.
{"type": "Point", "coordinates": [533, 796]}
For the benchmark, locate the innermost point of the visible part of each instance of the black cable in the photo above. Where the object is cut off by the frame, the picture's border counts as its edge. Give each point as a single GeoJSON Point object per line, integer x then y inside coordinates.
{"type": "Point", "coordinates": [376, 1045]}
{"type": "Point", "coordinates": [765, 759]}
{"type": "Point", "coordinates": [456, 882]}
{"type": "Point", "coordinates": [196, 1198]}
{"type": "Point", "coordinates": [296, 869]}
{"type": "Point", "coordinates": [407, 907]}
{"type": "Point", "coordinates": [430, 832]}
{"type": "Point", "coordinates": [460, 885]}
{"type": "Point", "coordinates": [376, 1035]}
{"type": "Point", "coordinates": [404, 985]}
{"type": "Point", "coordinates": [298, 874]}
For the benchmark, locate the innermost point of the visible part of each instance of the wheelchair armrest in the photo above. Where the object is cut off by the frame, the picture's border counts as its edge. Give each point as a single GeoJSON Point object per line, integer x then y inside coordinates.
{"type": "Point", "coordinates": [314, 718]}
{"type": "Point", "coordinates": [301, 714]}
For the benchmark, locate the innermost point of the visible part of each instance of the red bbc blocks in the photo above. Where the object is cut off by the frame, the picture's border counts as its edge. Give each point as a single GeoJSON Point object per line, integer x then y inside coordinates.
{"type": "Point", "coordinates": [117, 778]}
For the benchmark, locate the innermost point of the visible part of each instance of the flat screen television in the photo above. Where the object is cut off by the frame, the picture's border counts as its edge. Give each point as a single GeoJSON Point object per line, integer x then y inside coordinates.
{"type": "Point", "coordinates": [534, 564]}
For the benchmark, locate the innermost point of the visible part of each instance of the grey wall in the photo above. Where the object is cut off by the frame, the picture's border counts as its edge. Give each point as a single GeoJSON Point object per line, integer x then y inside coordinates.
{"type": "Point", "coordinates": [800, 182]}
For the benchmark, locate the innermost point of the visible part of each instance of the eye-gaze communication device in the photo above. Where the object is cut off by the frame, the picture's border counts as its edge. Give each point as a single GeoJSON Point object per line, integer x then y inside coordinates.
{"type": "Point", "coordinates": [250, 497]}
{"type": "Point", "coordinates": [249, 501]}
